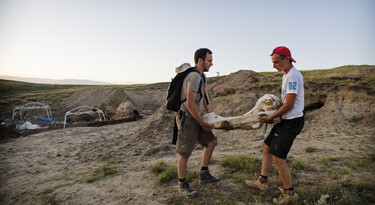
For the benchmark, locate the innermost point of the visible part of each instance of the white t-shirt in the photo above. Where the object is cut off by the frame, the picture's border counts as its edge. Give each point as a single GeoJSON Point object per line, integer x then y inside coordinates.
{"type": "Point", "coordinates": [293, 83]}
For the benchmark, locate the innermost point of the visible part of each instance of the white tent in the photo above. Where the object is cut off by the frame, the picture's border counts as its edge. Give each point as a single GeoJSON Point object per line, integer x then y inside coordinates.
{"type": "Point", "coordinates": [90, 110]}
{"type": "Point", "coordinates": [32, 106]}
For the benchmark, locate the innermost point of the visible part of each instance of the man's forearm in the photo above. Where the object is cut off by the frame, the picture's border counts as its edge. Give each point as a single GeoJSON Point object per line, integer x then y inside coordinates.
{"type": "Point", "coordinates": [289, 104]}
{"type": "Point", "coordinates": [283, 109]}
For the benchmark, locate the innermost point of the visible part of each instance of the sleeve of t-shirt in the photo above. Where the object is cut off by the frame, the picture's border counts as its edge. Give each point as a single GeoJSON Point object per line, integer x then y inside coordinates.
{"type": "Point", "coordinates": [292, 84]}
{"type": "Point", "coordinates": [193, 80]}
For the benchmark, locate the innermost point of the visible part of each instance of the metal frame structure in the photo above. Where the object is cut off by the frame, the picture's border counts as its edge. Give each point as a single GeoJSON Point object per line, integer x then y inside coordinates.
{"type": "Point", "coordinates": [32, 106]}
{"type": "Point", "coordinates": [92, 111]}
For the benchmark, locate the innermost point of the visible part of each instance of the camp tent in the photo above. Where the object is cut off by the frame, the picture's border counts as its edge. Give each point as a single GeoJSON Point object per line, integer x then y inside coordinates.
{"type": "Point", "coordinates": [81, 110]}
{"type": "Point", "coordinates": [33, 106]}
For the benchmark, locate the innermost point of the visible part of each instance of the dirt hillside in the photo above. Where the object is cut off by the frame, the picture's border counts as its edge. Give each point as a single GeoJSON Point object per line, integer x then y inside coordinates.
{"type": "Point", "coordinates": [239, 79]}
{"type": "Point", "coordinates": [109, 99]}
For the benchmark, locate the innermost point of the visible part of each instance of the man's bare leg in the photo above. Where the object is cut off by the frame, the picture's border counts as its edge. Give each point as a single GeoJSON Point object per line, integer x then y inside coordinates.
{"type": "Point", "coordinates": [284, 172]}
{"type": "Point", "coordinates": [205, 175]}
{"type": "Point", "coordinates": [266, 161]}
{"type": "Point", "coordinates": [207, 153]}
{"type": "Point", "coordinates": [181, 167]}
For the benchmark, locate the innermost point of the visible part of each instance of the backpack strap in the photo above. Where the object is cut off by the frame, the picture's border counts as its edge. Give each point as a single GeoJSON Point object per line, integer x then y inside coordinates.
{"type": "Point", "coordinates": [205, 94]}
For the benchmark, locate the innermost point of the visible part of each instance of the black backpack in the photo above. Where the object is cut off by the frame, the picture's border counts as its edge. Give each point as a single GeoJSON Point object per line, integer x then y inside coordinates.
{"type": "Point", "coordinates": [174, 90]}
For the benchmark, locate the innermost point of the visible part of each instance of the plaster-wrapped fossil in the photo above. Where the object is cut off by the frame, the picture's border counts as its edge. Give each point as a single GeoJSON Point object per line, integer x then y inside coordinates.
{"type": "Point", "coordinates": [265, 106]}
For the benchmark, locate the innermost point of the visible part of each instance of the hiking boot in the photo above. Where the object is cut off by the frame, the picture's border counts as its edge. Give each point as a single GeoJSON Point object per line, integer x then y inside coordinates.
{"type": "Point", "coordinates": [286, 196]}
{"type": "Point", "coordinates": [184, 188]}
{"type": "Point", "coordinates": [258, 183]}
{"type": "Point", "coordinates": [206, 177]}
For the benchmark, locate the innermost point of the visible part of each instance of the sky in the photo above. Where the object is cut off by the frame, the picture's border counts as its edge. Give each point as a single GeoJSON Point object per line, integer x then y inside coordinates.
{"type": "Point", "coordinates": [143, 41]}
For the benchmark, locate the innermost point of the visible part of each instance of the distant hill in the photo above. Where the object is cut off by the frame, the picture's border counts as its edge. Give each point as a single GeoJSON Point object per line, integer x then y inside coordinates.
{"type": "Point", "coordinates": [54, 81]}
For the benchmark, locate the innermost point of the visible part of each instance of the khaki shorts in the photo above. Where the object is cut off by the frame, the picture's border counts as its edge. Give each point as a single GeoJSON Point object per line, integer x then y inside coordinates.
{"type": "Point", "coordinates": [190, 133]}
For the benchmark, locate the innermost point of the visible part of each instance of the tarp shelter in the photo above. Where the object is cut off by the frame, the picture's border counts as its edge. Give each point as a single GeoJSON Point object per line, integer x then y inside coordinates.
{"type": "Point", "coordinates": [90, 110]}
{"type": "Point", "coordinates": [44, 119]}
{"type": "Point", "coordinates": [33, 106]}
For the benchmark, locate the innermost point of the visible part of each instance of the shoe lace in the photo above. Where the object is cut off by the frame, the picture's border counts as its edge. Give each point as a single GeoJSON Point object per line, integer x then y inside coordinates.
{"type": "Point", "coordinates": [285, 195]}
{"type": "Point", "coordinates": [188, 187]}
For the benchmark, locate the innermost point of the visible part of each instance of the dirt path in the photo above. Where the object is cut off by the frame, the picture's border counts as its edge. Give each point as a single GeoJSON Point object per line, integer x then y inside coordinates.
{"type": "Point", "coordinates": [54, 165]}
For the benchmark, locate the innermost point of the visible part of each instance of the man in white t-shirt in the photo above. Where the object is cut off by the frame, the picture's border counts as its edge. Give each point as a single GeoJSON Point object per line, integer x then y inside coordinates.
{"type": "Point", "coordinates": [278, 143]}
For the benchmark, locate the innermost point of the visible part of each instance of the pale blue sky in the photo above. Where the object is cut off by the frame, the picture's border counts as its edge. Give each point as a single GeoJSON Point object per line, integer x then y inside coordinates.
{"type": "Point", "coordinates": [142, 41]}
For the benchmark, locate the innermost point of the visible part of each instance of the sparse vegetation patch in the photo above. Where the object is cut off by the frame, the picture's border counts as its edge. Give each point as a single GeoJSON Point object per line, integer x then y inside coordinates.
{"type": "Point", "coordinates": [244, 163]}
{"type": "Point", "coordinates": [105, 170]}
{"type": "Point", "coordinates": [168, 173]}
{"type": "Point", "coordinates": [327, 160]}
{"type": "Point", "coordinates": [311, 149]}
{"type": "Point", "coordinates": [298, 165]}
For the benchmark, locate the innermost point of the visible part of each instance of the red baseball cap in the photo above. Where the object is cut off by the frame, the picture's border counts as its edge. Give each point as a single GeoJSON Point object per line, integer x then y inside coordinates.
{"type": "Point", "coordinates": [283, 51]}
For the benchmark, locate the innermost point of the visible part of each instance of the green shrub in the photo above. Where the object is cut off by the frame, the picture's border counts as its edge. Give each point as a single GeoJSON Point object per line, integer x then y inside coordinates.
{"type": "Point", "coordinates": [310, 196]}
{"type": "Point", "coordinates": [103, 171]}
{"type": "Point", "coordinates": [327, 160]}
{"type": "Point", "coordinates": [298, 165]}
{"type": "Point", "coordinates": [244, 163]}
{"type": "Point", "coordinates": [365, 189]}
{"type": "Point", "coordinates": [93, 178]}
{"type": "Point", "coordinates": [358, 162]}
{"type": "Point", "coordinates": [108, 170]}
{"type": "Point", "coordinates": [159, 167]}
{"type": "Point", "coordinates": [168, 175]}
{"type": "Point", "coordinates": [333, 190]}
{"type": "Point", "coordinates": [51, 199]}
{"type": "Point", "coordinates": [359, 186]}
{"type": "Point", "coordinates": [240, 179]}
{"type": "Point", "coordinates": [343, 171]}
{"type": "Point", "coordinates": [349, 192]}
{"type": "Point", "coordinates": [356, 119]}
{"type": "Point", "coordinates": [348, 199]}
{"type": "Point", "coordinates": [311, 149]}
{"type": "Point", "coordinates": [363, 162]}
{"type": "Point", "coordinates": [371, 156]}
{"type": "Point", "coordinates": [46, 191]}
{"type": "Point", "coordinates": [191, 175]}
{"type": "Point", "coordinates": [48, 197]}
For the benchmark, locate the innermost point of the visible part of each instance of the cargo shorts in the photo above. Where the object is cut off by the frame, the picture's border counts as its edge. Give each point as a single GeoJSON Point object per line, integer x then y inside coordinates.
{"type": "Point", "coordinates": [189, 132]}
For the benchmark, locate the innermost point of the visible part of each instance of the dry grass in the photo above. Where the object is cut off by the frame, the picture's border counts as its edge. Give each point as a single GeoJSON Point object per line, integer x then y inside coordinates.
{"type": "Point", "coordinates": [337, 182]}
